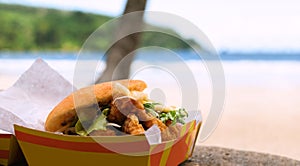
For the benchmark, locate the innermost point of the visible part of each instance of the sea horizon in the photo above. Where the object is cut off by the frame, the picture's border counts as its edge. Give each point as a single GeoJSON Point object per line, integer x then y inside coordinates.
{"type": "Point", "coordinates": [187, 54]}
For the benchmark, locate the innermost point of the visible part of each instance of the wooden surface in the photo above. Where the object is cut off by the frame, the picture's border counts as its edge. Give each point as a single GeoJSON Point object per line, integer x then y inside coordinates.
{"type": "Point", "coordinates": [211, 156]}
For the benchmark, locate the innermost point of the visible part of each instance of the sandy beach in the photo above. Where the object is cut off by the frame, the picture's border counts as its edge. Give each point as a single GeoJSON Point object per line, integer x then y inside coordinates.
{"type": "Point", "coordinates": [260, 119]}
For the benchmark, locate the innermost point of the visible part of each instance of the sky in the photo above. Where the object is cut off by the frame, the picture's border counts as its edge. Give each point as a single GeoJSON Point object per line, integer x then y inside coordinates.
{"type": "Point", "coordinates": [238, 25]}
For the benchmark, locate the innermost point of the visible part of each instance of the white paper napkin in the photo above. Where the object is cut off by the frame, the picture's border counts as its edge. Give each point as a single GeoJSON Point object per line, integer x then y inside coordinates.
{"type": "Point", "coordinates": [29, 101]}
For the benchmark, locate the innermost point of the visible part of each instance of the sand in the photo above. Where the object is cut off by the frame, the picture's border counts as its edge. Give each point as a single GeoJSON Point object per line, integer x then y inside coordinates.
{"type": "Point", "coordinates": [260, 119]}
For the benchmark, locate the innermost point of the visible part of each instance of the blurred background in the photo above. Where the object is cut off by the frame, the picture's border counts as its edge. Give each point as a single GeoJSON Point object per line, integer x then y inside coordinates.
{"type": "Point", "coordinates": [258, 43]}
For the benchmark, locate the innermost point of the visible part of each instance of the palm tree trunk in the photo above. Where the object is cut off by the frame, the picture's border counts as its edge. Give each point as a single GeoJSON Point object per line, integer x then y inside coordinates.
{"type": "Point", "coordinates": [120, 55]}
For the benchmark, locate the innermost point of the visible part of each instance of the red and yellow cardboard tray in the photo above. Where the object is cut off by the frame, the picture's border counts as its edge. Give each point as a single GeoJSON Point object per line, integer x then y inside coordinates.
{"type": "Point", "coordinates": [45, 148]}
{"type": "Point", "coordinates": [10, 151]}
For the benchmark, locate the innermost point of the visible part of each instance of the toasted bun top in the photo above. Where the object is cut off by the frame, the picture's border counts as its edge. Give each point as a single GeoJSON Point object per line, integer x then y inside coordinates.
{"type": "Point", "coordinates": [63, 114]}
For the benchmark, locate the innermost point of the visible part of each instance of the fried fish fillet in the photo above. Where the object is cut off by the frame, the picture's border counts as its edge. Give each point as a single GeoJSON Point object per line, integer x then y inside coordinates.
{"type": "Point", "coordinates": [156, 121]}
{"type": "Point", "coordinates": [132, 125]}
{"type": "Point", "coordinates": [121, 107]}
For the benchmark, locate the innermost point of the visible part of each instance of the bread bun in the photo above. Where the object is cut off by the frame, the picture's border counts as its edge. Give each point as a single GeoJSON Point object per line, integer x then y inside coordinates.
{"type": "Point", "coordinates": [64, 114]}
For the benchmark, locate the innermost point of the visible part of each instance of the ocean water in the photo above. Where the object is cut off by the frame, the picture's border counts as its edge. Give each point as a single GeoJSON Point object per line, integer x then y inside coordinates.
{"type": "Point", "coordinates": [253, 69]}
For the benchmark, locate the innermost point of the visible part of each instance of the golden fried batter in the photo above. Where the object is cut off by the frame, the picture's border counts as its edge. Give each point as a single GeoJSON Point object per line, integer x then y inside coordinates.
{"type": "Point", "coordinates": [132, 126]}
{"type": "Point", "coordinates": [115, 115]}
{"type": "Point", "coordinates": [142, 115]}
{"type": "Point", "coordinates": [156, 121]}
{"type": "Point", "coordinates": [121, 107]}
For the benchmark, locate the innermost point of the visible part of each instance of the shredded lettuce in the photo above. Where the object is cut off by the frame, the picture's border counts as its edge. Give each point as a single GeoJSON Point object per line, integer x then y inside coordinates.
{"type": "Point", "coordinates": [79, 129]}
{"type": "Point", "coordinates": [175, 116]}
{"type": "Point", "coordinates": [99, 124]}
{"type": "Point", "coordinates": [150, 108]}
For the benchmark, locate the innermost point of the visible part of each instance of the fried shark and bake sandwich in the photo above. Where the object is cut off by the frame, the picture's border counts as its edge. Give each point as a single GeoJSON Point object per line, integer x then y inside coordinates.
{"type": "Point", "coordinates": [114, 108]}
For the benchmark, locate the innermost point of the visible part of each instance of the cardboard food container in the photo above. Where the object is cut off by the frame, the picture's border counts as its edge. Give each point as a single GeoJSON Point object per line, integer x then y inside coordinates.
{"type": "Point", "coordinates": [46, 148]}
{"type": "Point", "coordinates": [10, 152]}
